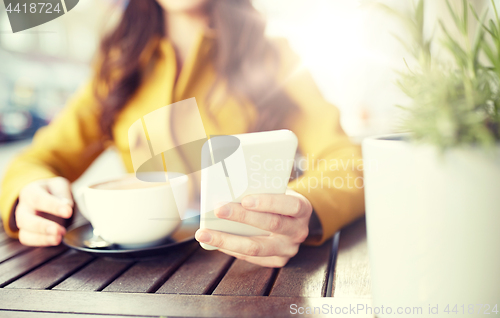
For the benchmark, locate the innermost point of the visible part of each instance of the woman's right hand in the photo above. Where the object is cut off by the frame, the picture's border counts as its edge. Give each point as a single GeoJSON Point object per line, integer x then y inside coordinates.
{"type": "Point", "coordinates": [51, 197]}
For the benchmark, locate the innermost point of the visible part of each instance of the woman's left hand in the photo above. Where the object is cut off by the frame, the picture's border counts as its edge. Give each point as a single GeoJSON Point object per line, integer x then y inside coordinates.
{"type": "Point", "coordinates": [286, 216]}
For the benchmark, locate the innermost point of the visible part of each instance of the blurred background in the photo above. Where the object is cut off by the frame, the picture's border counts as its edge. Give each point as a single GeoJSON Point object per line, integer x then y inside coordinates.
{"type": "Point", "coordinates": [348, 46]}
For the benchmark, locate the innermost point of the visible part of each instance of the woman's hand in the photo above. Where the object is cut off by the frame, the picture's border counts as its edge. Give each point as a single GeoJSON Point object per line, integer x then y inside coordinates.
{"type": "Point", "coordinates": [286, 216]}
{"type": "Point", "coordinates": [51, 197]}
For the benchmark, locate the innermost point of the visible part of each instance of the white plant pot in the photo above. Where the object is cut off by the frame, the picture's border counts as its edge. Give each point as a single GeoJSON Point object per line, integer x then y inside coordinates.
{"type": "Point", "coordinates": [433, 225]}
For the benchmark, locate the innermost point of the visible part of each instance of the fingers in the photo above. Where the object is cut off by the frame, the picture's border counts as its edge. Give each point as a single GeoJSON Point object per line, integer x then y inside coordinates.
{"type": "Point", "coordinates": [247, 245]}
{"type": "Point", "coordinates": [49, 197]}
{"type": "Point", "coordinates": [35, 230]}
{"type": "Point", "coordinates": [272, 222]}
{"type": "Point", "coordinates": [37, 239]}
{"type": "Point", "coordinates": [61, 188]}
{"type": "Point", "coordinates": [26, 219]}
{"type": "Point", "coordinates": [291, 205]}
{"type": "Point", "coordinates": [37, 196]}
{"type": "Point", "coordinates": [269, 261]}
{"type": "Point", "coordinates": [286, 216]}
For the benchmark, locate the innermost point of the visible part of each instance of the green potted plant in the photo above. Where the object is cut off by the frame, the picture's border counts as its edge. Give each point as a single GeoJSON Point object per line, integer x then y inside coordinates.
{"type": "Point", "coordinates": [433, 193]}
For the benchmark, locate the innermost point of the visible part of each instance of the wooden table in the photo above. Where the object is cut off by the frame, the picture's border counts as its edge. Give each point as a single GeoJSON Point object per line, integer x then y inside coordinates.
{"type": "Point", "coordinates": [189, 281]}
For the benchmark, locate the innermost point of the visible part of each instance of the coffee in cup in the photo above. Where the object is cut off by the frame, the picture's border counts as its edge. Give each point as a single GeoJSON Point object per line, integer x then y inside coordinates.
{"type": "Point", "coordinates": [134, 213]}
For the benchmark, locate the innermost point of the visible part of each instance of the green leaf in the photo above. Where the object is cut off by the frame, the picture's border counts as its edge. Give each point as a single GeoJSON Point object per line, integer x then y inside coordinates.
{"type": "Point", "coordinates": [453, 14]}
{"type": "Point", "coordinates": [454, 47]}
{"type": "Point", "coordinates": [474, 12]}
{"type": "Point", "coordinates": [404, 43]}
{"type": "Point", "coordinates": [478, 40]}
{"type": "Point", "coordinates": [496, 12]}
{"type": "Point", "coordinates": [419, 15]}
{"type": "Point", "coordinates": [491, 55]}
{"type": "Point", "coordinates": [466, 16]}
{"type": "Point", "coordinates": [493, 29]}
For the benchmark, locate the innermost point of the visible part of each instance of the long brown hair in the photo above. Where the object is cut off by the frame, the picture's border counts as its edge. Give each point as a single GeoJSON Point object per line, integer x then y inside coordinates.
{"type": "Point", "coordinates": [242, 56]}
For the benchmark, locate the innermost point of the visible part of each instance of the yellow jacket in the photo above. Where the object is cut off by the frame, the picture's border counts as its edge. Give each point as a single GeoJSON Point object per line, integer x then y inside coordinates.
{"type": "Point", "coordinates": [73, 140]}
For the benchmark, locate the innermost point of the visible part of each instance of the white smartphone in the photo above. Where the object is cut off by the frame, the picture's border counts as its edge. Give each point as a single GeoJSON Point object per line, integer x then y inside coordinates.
{"type": "Point", "coordinates": [239, 165]}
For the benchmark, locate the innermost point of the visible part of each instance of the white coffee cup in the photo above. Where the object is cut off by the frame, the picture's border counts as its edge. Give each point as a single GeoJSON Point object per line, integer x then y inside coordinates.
{"type": "Point", "coordinates": [134, 213]}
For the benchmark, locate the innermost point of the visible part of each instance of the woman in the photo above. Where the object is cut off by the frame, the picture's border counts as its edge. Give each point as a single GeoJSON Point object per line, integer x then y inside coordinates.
{"type": "Point", "coordinates": [165, 51]}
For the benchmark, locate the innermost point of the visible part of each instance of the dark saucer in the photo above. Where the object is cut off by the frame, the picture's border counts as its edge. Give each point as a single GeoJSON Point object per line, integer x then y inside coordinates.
{"type": "Point", "coordinates": [74, 238]}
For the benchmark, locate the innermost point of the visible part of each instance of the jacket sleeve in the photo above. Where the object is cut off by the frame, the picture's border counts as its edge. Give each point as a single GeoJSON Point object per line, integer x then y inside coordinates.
{"type": "Point", "coordinates": [66, 147]}
{"type": "Point", "coordinates": [333, 179]}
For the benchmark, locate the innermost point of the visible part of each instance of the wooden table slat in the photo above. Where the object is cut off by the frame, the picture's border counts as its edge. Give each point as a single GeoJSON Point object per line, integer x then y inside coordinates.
{"type": "Point", "coordinates": [246, 279]}
{"type": "Point", "coordinates": [4, 238]}
{"type": "Point", "coordinates": [39, 314]}
{"type": "Point", "coordinates": [18, 266]}
{"type": "Point", "coordinates": [53, 271]}
{"type": "Point", "coordinates": [148, 276]}
{"type": "Point", "coordinates": [352, 271]}
{"type": "Point", "coordinates": [199, 274]}
{"type": "Point", "coordinates": [166, 305]}
{"type": "Point", "coordinates": [95, 276]}
{"type": "Point", "coordinates": [306, 274]}
{"type": "Point", "coordinates": [11, 249]}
